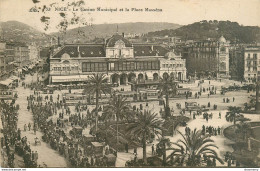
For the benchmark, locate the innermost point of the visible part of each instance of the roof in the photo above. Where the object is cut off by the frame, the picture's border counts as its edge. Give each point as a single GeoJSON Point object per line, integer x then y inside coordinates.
{"type": "Point", "coordinates": [111, 41]}
{"type": "Point", "coordinates": [85, 50]}
{"type": "Point", "coordinates": [97, 144]}
{"type": "Point", "coordinates": [149, 50]}
{"type": "Point", "coordinates": [6, 82]}
{"type": "Point", "coordinates": [44, 52]}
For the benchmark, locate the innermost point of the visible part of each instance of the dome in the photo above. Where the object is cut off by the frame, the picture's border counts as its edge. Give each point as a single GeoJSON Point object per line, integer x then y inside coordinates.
{"type": "Point", "coordinates": [111, 41]}
{"type": "Point", "coordinates": [222, 39]}
{"type": "Point", "coordinates": [170, 54]}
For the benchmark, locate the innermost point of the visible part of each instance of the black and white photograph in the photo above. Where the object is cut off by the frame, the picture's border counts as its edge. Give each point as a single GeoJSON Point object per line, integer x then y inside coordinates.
{"type": "Point", "coordinates": [129, 84]}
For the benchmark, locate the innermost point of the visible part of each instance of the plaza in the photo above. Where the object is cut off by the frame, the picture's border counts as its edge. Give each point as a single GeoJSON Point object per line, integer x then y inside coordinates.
{"type": "Point", "coordinates": [224, 144]}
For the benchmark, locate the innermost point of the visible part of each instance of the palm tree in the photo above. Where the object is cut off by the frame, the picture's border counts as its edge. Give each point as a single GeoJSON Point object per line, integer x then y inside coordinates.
{"type": "Point", "coordinates": [119, 107]}
{"type": "Point", "coordinates": [190, 148]}
{"type": "Point", "coordinates": [233, 114]}
{"type": "Point", "coordinates": [167, 86]}
{"type": "Point", "coordinates": [146, 124]}
{"type": "Point", "coordinates": [97, 85]}
{"type": "Point", "coordinates": [163, 143]}
{"type": "Point", "coordinates": [245, 129]}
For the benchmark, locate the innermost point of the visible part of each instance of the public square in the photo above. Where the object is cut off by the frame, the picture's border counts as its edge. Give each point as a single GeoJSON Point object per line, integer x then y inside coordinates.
{"type": "Point", "coordinates": [47, 155]}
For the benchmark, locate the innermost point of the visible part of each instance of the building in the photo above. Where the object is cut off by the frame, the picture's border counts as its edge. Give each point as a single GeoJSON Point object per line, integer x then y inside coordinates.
{"type": "Point", "coordinates": [236, 62]}
{"type": "Point", "coordinates": [120, 60]}
{"type": "Point", "coordinates": [7, 57]}
{"type": "Point", "coordinates": [22, 54]}
{"type": "Point", "coordinates": [207, 57]}
{"type": "Point", "coordinates": [34, 53]}
{"type": "Point", "coordinates": [252, 64]}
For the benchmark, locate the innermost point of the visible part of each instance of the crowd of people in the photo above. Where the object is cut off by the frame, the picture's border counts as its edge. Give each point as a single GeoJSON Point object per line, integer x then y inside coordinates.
{"type": "Point", "coordinates": [52, 117]}
{"type": "Point", "coordinates": [12, 142]}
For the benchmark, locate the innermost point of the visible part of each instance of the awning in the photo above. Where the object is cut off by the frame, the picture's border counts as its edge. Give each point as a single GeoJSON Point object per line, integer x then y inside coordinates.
{"type": "Point", "coordinates": [70, 78]}
{"type": "Point", "coordinates": [6, 82]}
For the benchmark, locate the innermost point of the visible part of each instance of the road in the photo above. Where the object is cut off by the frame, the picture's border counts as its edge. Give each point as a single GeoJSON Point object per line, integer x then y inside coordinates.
{"type": "Point", "coordinates": [47, 156]}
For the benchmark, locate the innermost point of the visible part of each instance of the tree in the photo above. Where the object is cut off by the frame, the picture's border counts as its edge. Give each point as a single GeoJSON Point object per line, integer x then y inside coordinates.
{"type": "Point", "coordinates": [190, 148]}
{"type": "Point", "coordinates": [145, 125]}
{"type": "Point", "coordinates": [245, 129]}
{"type": "Point", "coordinates": [167, 86]}
{"type": "Point", "coordinates": [119, 107]}
{"type": "Point", "coordinates": [163, 143]}
{"type": "Point", "coordinates": [233, 114]}
{"type": "Point", "coordinates": [97, 85]}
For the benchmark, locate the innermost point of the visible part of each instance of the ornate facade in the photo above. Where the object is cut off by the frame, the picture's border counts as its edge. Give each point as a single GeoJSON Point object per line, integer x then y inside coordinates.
{"type": "Point", "coordinates": [208, 57]}
{"type": "Point", "coordinates": [120, 60]}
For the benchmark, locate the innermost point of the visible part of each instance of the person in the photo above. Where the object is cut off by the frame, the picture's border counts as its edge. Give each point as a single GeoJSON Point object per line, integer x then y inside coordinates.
{"type": "Point", "coordinates": [153, 149]}
{"type": "Point", "coordinates": [34, 129]}
{"type": "Point", "coordinates": [126, 147]}
{"type": "Point", "coordinates": [219, 115]}
{"type": "Point", "coordinates": [91, 161]}
{"type": "Point", "coordinates": [218, 130]}
{"type": "Point", "coordinates": [29, 126]}
{"type": "Point", "coordinates": [233, 99]}
{"type": "Point", "coordinates": [135, 150]}
{"type": "Point", "coordinates": [135, 158]}
{"type": "Point", "coordinates": [229, 163]}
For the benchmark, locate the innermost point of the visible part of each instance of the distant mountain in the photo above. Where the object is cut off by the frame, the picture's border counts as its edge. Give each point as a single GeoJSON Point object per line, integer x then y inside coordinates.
{"type": "Point", "coordinates": [104, 30]}
{"type": "Point", "coordinates": [19, 32]}
{"type": "Point", "coordinates": [213, 29]}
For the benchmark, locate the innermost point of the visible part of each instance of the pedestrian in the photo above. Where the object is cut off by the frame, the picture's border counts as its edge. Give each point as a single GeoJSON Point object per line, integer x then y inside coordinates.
{"type": "Point", "coordinates": [135, 158]}
{"type": "Point", "coordinates": [233, 99]}
{"type": "Point", "coordinates": [36, 156]}
{"type": "Point", "coordinates": [126, 147]}
{"type": "Point", "coordinates": [29, 126]}
{"type": "Point", "coordinates": [135, 150]}
{"type": "Point", "coordinates": [25, 127]}
{"type": "Point", "coordinates": [218, 130]}
{"type": "Point", "coordinates": [153, 149]}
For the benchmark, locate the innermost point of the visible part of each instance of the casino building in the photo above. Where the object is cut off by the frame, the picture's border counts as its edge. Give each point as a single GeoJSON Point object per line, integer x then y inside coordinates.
{"type": "Point", "coordinates": [120, 60]}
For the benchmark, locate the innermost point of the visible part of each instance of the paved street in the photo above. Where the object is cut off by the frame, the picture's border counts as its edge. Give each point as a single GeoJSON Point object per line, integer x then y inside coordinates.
{"type": "Point", "coordinates": [47, 155]}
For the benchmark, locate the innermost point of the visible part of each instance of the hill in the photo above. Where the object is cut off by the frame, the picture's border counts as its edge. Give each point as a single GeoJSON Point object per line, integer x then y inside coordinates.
{"type": "Point", "coordinates": [213, 29]}
{"type": "Point", "coordinates": [20, 32]}
{"type": "Point", "coordinates": [105, 30]}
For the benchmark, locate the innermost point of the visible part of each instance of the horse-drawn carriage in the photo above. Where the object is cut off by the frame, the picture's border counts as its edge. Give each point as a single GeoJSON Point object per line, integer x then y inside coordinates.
{"type": "Point", "coordinates": [76, 132]}
{"type": "Point", "coordinates": [97, 148]}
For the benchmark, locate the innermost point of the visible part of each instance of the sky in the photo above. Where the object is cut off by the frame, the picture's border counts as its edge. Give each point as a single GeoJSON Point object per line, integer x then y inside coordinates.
{"type": "Point", "coordinates": [182, 12]}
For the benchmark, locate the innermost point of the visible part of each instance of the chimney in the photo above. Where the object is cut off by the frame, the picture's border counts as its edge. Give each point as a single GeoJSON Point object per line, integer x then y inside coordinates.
{"type": "Point", "coordinates": [123, 34]}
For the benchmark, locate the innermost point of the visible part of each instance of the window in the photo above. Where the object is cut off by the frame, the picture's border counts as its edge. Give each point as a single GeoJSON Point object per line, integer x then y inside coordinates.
{"type": "Point", "coordinates": [255, 56]}
{"type": "Point", "coordinates": [84, 67]}
{"type": "Point", "coordinates": [248, 56]}
{"type": "Point", "coordinates": [139, 65]}
{"type": "Point", "coordinates": [112, 66]}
